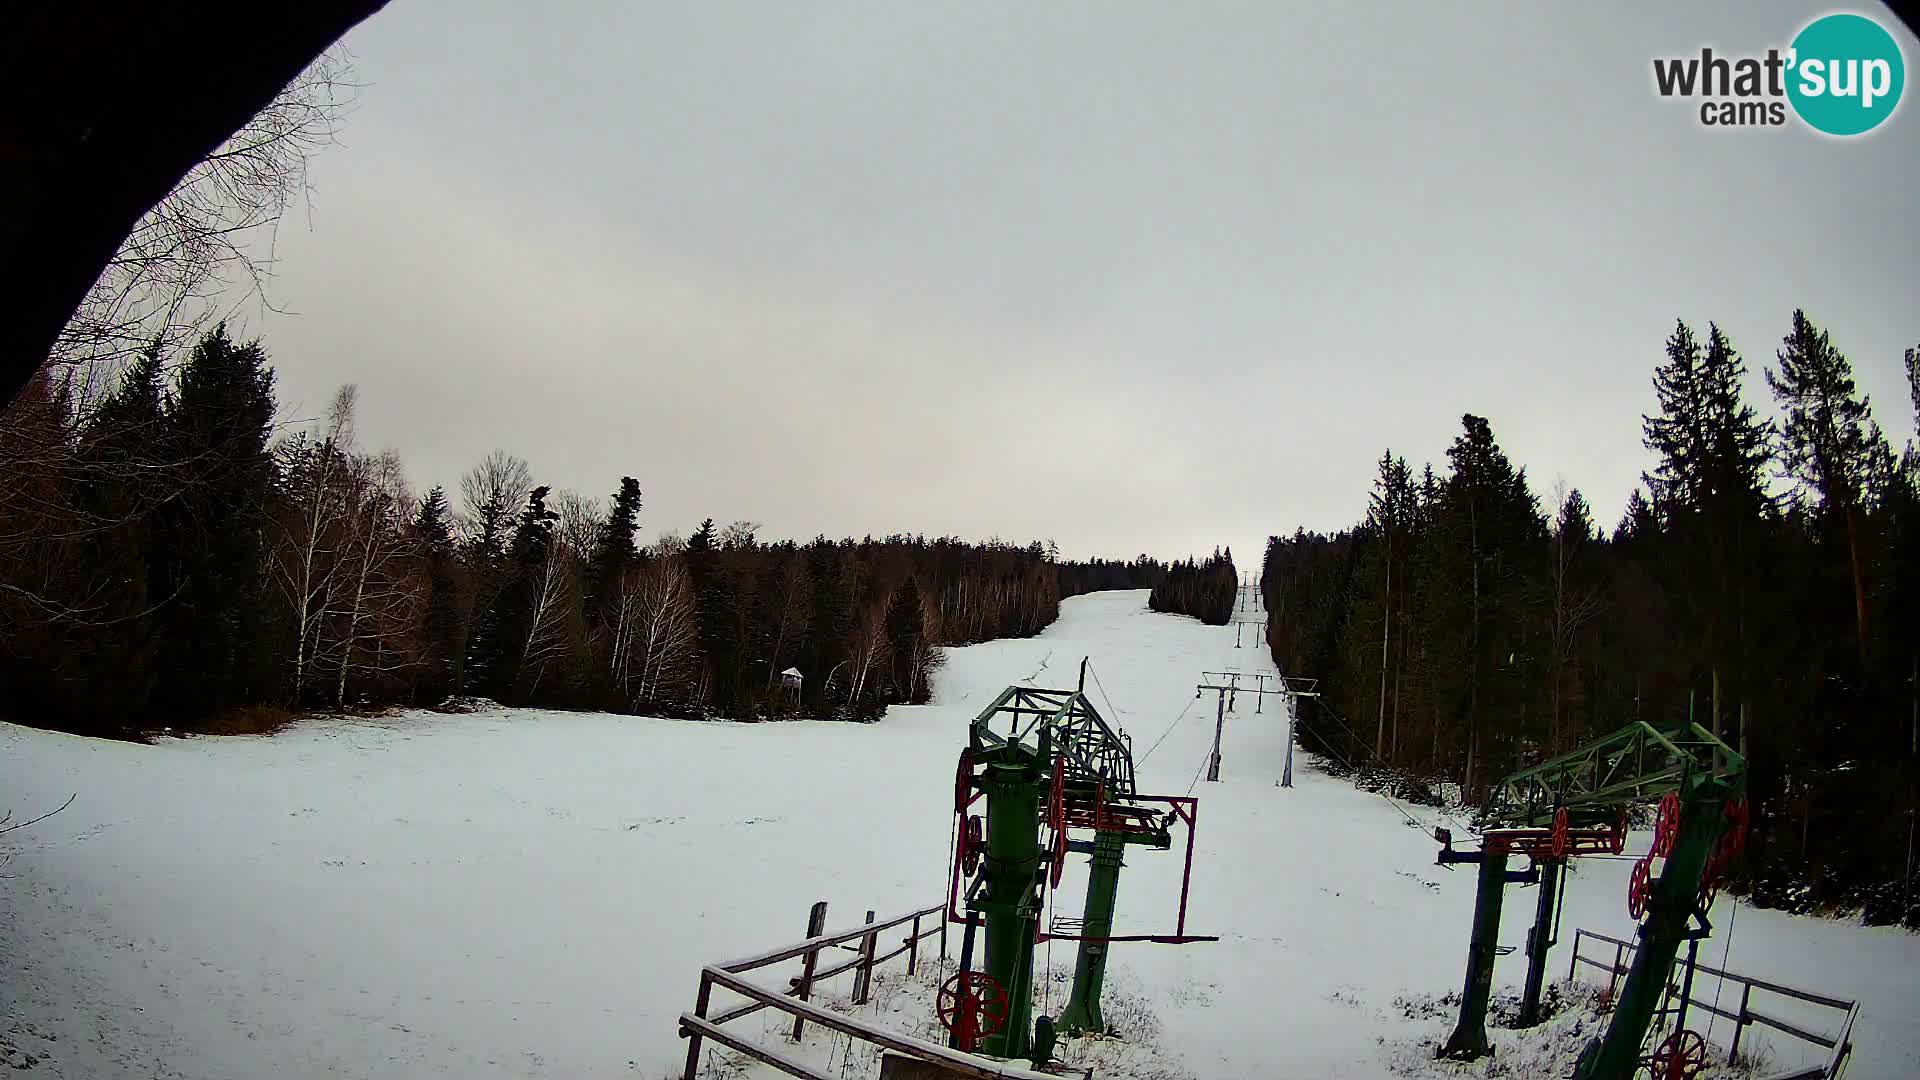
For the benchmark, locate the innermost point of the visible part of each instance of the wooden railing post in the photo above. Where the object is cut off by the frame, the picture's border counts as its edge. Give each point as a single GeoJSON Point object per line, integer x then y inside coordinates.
{"type": "Point", "coordinates": [943, 939]}
{"type": "Point", "coordinates": [1575, 958]}
{"type": "Point", "coordinates": [1613, 977]}
{"type": "Point", "coordinates": [816, 925]}
{"type": "Point", "coordinates": [913, 947]}
{"type": "Point", "coordinates": [1740, 1023]}
{"type": "Point", "coordinates": [863, 975]}
{"type": "Point", "coordinates": [693, 1037]}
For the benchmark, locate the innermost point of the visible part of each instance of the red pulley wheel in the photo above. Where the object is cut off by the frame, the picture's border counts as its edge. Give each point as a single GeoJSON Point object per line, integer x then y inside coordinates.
{"type": "Point", "coordinates": [972, 843]}
{"type": "Point", "coordinates": [1666, 825]}
{"type": "Point", "coordinates": [1620, 833]}
{"type": "Point", "coordinates": [963, 782]}
{"type": "Point", "coordinates": [1059, 858]}
{"type": "Point", "coordinates": [1682, 1057]}
{"type": "Point", "coordinates": [971, 1005]}
{"type": "Point", "coordinates": [1638, 887]}
{"type": "Point", "coordinates": [1734, 840]}
{"type": "Point", "coordinates": [1560, 828]}
{"type": "Point", "coordinates": [1057, 798]}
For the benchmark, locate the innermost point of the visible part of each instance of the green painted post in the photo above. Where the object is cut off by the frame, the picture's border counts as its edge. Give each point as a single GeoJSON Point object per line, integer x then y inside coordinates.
{"type": "Point", "coordinates": [1539, 942]}
{"type": "Point", "coordinates": [1469, 1038]}
{"type": "Point", "coordinates": [1668, 909]}
{"type": "Point", "coordinates": [1013, 782]}
{"type": "Point", "coordinates": [1090, 969]}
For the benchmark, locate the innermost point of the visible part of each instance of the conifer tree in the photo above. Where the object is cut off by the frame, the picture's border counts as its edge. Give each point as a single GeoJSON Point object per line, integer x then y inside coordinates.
{"type": "Point", "coordinates": [906, 632]}
{"type": "Point", "coordinates": [1827, 441]}
{"type": "Point", "coordinates": [1709, 490]}
{"type": "Point", "coordinates": [209, 541]}
{"type": "Point", "coordinates": [616, 550]}
{"type": "Point", "coordinates": [445, 618]}
{"type": "Point", "coordinates": [122, 480]}
{"type": "Point", "coordinates": [533, 544]}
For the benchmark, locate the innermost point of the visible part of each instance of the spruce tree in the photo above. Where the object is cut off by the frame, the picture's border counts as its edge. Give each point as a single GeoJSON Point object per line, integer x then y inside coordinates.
{"type": "Point", "coordinates": [1709, 489]}
{"type": "Point", "coordinates": [1827, 443]}
{"type": "Point", "coordinates": [532, 545]}
{"type": "Point", "coordinates": [616, 550]}
{"type": "Point", "coordinates": [905, 630]}
{"type": "Point", "coordinates": [710, 601]}
{"type": "Point", "coordinates": [123, 477]}
{"type": "Point", "coordinates": [444, 625]}
{"type": "Point", "coordinates": [1491, 535]}
{"type": "Point", "coordinates": [210, 540]}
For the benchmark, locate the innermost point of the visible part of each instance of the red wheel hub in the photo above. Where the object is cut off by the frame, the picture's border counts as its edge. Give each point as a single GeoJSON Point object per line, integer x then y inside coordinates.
{"type": "Point", "coordinates": [972, 843]}
{"type": "Point", "coordinates": [971, 1006]}
{"type": "Point", "coordinates": [1734, 840]}
{"type": "Point", "coordinates": [1639, 886]}
{"type": "Point", "coordinates": [1666, 825]}
{"type": "Point", "coordinates": [963, 782]}
{"type": "Point", "coordinates": [1682, 1057]}
{"type": "Point", "coordinates": [1057, 796]}
{"type": "Point", "coordinates": [1560, 827]}
{"type": "Point", "coordinates": [1059, 866]}
{"type": "Point", "coordinates": [1057, 820]}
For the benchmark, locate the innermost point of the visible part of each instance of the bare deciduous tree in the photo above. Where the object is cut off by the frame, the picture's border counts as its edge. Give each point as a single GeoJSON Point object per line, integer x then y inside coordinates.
{"type": "Point", "coordinates": [553, 603]}
{"type": "Point", "coordinates": [738, 535]}
{"type": "Point", "coordinates": [657, 602]}
{"type": "Point", "coordinates": [582, 517]}
{"type": "Point", "coordinates": [312, 515]}
{"type": "Point", "coordinates": [793, 610]}
{"type": "Point", "coordinates": [214, 232]}
{"type": "Point", "coordinates": [379, 591]}
{"type": "Point", "coordinates": [867, 649]}
{"type": "Point", "coordinates": [491, 495]}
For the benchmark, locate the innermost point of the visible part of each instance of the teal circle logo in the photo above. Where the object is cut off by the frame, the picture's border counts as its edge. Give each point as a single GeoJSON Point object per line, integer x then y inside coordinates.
{"type": "Point", "coordinates": [1845, 74]}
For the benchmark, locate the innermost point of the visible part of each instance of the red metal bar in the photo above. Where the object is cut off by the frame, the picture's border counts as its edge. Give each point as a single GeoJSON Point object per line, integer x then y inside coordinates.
{"type": "Point", "coordinates": [1161, 939]}
{"type": "Point", "coordinates": [1192, 817]}
{"type": "Point", "coordinates": [953, 888]}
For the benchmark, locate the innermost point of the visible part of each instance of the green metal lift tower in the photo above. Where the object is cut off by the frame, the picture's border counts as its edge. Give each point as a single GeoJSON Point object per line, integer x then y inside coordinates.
{"type": "Point", "coordinates": [1574, 805]}
{"type": "Point", "coordinates": [1057, 767]}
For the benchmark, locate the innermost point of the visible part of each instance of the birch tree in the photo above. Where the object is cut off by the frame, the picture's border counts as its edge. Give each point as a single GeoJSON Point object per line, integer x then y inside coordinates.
{"type": "Point", "coordinates": [310, 522]}
{"type": "Point", "coordinates": [658, 603]}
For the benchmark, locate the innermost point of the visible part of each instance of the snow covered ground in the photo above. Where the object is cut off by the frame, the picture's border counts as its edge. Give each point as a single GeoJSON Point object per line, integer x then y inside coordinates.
{"type": "Point", "coordinates": [531, 894]}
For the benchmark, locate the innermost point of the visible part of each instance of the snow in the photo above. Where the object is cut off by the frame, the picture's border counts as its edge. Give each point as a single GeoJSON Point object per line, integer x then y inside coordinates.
{"type": "Point", "coordinates": [532, 894]}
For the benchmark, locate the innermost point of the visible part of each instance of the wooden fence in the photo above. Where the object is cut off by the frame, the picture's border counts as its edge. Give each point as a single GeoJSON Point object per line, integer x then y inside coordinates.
{"type": "Point", "coordinates": [1839, 1045]}
{"type": "Point", "coordinates": [863, 942]}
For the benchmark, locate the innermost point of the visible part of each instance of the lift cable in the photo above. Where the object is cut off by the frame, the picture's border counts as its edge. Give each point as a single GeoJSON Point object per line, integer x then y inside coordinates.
{"type": "Point", "coordinates": [1164, 734]}
{"type": "Point", "coordinates": [1725, 954]}
{"type": "Point", "coordinates": [1203, 768]}
{"type": "Point", "coordinates": [1363, 745]}
{"type": "Point", "coordinates": [1104, 696]}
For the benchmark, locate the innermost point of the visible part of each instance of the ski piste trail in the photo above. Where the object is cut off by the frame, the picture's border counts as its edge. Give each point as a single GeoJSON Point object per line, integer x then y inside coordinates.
{"type": "Point", "coordinates": [525, 893]}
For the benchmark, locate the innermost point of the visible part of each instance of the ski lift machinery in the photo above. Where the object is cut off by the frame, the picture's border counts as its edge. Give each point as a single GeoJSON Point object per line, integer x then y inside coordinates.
{"type": "Point", "coordinates": [1574, 805]}
{"type": "Point", "coordinates": [1055, 767]}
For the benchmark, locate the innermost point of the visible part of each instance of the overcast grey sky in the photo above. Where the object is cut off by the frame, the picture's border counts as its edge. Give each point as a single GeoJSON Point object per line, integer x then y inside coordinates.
{"type": "Point", "coordinates": [1134, 276]}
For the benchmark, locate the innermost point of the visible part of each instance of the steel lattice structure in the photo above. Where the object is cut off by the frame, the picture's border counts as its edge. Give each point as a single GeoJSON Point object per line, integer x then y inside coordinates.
{"type": "Point", "coordinates": [1095, 754]}
{"type": "Point", "coordinates": [1633, 765]}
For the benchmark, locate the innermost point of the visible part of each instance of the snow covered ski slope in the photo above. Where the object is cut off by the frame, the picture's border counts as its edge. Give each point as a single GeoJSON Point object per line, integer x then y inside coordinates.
{"type": "Point", "coordinates": [531, 894]}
